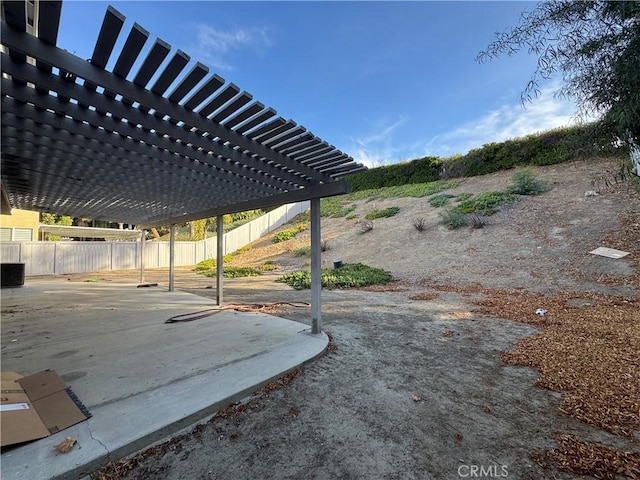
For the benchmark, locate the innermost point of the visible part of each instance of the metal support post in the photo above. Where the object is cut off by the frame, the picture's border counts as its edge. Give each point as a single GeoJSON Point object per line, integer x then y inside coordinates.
{"type": "Point", "coordinates": [172, 245]}
{"type": "Point", "coordinates": [316, 268]}
{"type": "Point", "coordinates": [219, 258]}
{"type": "Point", "coordinates": [143, 241]}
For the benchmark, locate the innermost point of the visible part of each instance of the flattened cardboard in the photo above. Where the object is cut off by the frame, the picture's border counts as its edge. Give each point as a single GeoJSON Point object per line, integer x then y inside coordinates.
{"type": "Point", "coordinates": [37, 406]}
{"type": "Point", "coordinates": [609, 252]}
{"type": "Point", "coordinates": [19, 420]}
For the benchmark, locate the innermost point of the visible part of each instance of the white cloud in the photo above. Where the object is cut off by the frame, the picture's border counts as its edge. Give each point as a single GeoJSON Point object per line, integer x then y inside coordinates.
{"type": "Point", "coordinates": [378, 148]}
{"type": "Point", "coordinates": [505, 122]}
{"type": "Point", "coordinates": [214, 45]}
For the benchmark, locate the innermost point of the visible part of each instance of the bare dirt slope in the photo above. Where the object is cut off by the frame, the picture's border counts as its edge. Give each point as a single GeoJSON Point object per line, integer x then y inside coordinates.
{"type": "Point", "coordinates": [541, 243]}
{"type": "Point", "coordinates": [415, 385]}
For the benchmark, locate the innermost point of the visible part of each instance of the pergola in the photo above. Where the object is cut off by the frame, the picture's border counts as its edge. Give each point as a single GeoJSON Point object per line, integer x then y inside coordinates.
{"type": "Point", "coordinates": [153, 141]}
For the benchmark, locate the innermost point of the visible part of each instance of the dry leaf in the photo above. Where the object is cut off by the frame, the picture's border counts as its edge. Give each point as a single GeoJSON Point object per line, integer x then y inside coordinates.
{"type": "Point", "coordinates": [66, 445]}
{"type": "Point", "coordinates": [415, 398]}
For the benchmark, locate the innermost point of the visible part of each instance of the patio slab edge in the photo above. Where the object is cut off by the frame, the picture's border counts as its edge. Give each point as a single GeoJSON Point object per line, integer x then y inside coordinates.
{"type": "Point", "coordinates": [124, 427]}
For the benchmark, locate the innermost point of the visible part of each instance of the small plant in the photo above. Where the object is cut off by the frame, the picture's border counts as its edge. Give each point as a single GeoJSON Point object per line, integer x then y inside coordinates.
{"type": "Point", "coordinates": [210, 263]}
{"type": "Point", "coordinates": [335, 207]}
{"type": "Point", "coordinates": [304, 251]}
{"type": "Point", "coordinates": [242, 250]}
{"type": "Point", "coordinates": [524, 182]}
{"type": "Point", "coordinates": [289, 233]}
{"type": "Point", "coordinates": [351, 217]}
{"type": "Point", "coordinates": [268, 266]}
{"type": "Point", "coordinates": [300, 218]}
{"type": "Point", "coordinates": [461, 197]}
{"type": "Point", "coordinates": [235, 272]}
{"type": "Point", "coordinates": [440, 200]}
{"type": "Point", "coordinates": [453, 218]}
{"type": "Point", "coordinates": [350, 275]}
{"type": "Point", "coordinates": [384, 213]}
{"type": "Point", "coordinates": [365, 227]}
{"type": "Point", "coordinates": [477, 221]}
{"type": "Point", "coordinates": [420, 224]}
{"type": "Point", "coordinates": [324, 246]}
{"type": "Point", "coordinates": [485, 203]}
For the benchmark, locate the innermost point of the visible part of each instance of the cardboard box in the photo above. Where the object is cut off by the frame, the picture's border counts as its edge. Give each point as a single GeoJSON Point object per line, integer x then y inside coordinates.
{"type": "Point", "coordinates": [36, 406]}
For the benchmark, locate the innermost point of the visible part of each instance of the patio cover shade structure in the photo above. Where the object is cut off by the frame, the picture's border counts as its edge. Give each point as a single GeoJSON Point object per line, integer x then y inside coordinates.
{"type": "Point", "coordinates": [90, 232]}
{"type": "Point", "coordinates": [153, 141]}
{"type": "Point", "coordinates": [150, 141]}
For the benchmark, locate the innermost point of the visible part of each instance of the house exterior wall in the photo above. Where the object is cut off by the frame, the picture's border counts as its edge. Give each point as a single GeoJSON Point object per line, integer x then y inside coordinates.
{"type": "Point", "coordinates": [14, 226]}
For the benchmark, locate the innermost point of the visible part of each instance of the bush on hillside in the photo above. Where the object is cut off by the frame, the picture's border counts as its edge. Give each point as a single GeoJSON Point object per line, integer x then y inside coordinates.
{"type": "Point", "coordinates": [421, 170]}
{"type": "Point", "coordinates": [350, 275]}
{"type": "Point", "coordinates": [288, 234]}
{"type": "Point", "coordinates": [384, 213]}
{"type": "Point", "coordinates": [524, 182]}
{"type": "Point", "coordinates": [485, 203]}
{"type": "Point", "coordinates": [440, 200]}
{"type": "Point", "coordinates": [554, 146]}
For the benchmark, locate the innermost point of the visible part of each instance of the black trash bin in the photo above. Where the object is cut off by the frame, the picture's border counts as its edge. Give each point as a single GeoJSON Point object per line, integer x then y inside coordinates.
{"type": "Point", "coordinates": [11, 275]}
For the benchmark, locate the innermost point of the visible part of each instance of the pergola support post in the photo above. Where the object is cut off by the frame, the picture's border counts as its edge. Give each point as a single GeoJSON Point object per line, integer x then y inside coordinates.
{"type": "Point", "coordinates": [143, 241]}
{"type": "Point", "coordinates": [316, 270]}
{"type": "Point", "coordinates": [219, 258]}
{"type": "Point", "coordinates": [172, 255]}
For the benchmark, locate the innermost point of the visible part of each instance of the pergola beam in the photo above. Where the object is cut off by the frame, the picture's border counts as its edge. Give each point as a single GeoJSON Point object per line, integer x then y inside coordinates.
{"type": "Point", "coordinates": [318, 191]}
{"type": "Point", "coordinates": [121, 110]}
{"type": "Point", "coordinates": [30, 45]}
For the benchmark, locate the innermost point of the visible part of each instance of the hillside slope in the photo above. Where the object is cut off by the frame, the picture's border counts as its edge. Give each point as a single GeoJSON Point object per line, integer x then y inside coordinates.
{"type": "Point", "coordinates": [539, 243]}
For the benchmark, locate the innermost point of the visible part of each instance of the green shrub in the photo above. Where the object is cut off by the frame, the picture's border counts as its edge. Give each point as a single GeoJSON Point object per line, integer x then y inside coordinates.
{"type": "Point", "coordinates": [235, 272]}
{"type": "Point", "coordinates": [268, 266]}
{"type": "Point", "coordinates": [336, 207]}
{"type": "Point", "coordinates": [300, 218]}
{"type": "Point", "coordinates": [461, 197]}
{"type": "Point", "coordinates": [554, 146]}
{"type": "Point", "coordinates": [350, 275]}
{"type": "Point", "coordinates": [302, 251]}
{"type": "Point", "coordinates": [289, 233]}
{"type": "Point", "coordinates": [485, 203]}
{"type": "Point", "coordinates": [412, 190]}
{"type": "Point", "coordinates": [453, 218]}
{"type": "Point", "coordinates": [242, 250]}
{"type": "Point", "coordinates": [351, 217]}
{"type": "Point", "coordinates": [421, 170]}
{"type": "Point", "coordinates": [210, 263]}
{"type": "Point", "coordinates": [440, 200]}
{"type": "Point", "coordinates": [384, 213]}
{"type": "Point", "coordinates": [524, 182]}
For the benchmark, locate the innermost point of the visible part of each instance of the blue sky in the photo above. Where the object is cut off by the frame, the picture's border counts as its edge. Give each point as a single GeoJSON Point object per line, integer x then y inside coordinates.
{"type": "Point", "coordinates": [382, 81]}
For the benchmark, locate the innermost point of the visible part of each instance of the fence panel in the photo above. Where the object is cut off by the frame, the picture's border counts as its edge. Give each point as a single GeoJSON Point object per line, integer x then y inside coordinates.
{"type": "Point", "coordinates": [185, 253]}
{"type": "Point", "coordinates": [124, 255]}
{"type": "Point", "coordinates": [82, 257]}
{"type": "Point", "coordinates": [10, 252]}
{"type": "Point", "coordinates": [48, 258]}
{"type": "Point", "coordinates": [39, 258]}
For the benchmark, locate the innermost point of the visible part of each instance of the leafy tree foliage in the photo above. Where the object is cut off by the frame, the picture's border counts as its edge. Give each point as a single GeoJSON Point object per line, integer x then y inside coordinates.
{"type": "Point", "coordinates": [52, 219]}
{"type": "Point", "coordinates": [594, 46]}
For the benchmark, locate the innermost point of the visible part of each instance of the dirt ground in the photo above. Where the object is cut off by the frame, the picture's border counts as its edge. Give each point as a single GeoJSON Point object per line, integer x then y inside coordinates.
{"type": "Point", "coordinates": [414, 385]}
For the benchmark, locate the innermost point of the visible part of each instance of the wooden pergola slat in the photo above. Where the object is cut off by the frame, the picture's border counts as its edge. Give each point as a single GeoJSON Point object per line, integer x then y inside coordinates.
{"type": "Point", "coordinates": [80, 138]}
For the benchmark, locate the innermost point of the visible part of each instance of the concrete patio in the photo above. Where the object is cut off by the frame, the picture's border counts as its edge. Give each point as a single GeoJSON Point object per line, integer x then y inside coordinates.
{"type": "Point", "coordinates": [141, 379]}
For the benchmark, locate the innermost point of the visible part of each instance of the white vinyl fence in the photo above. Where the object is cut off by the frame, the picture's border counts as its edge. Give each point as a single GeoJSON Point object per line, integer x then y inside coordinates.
{"type": "Point", "coordinates": [49, 258]}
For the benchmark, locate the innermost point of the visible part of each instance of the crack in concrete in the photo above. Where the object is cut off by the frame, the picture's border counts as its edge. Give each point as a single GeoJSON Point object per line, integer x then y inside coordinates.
{"type": "Point", "coordinates": [97, 439]}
